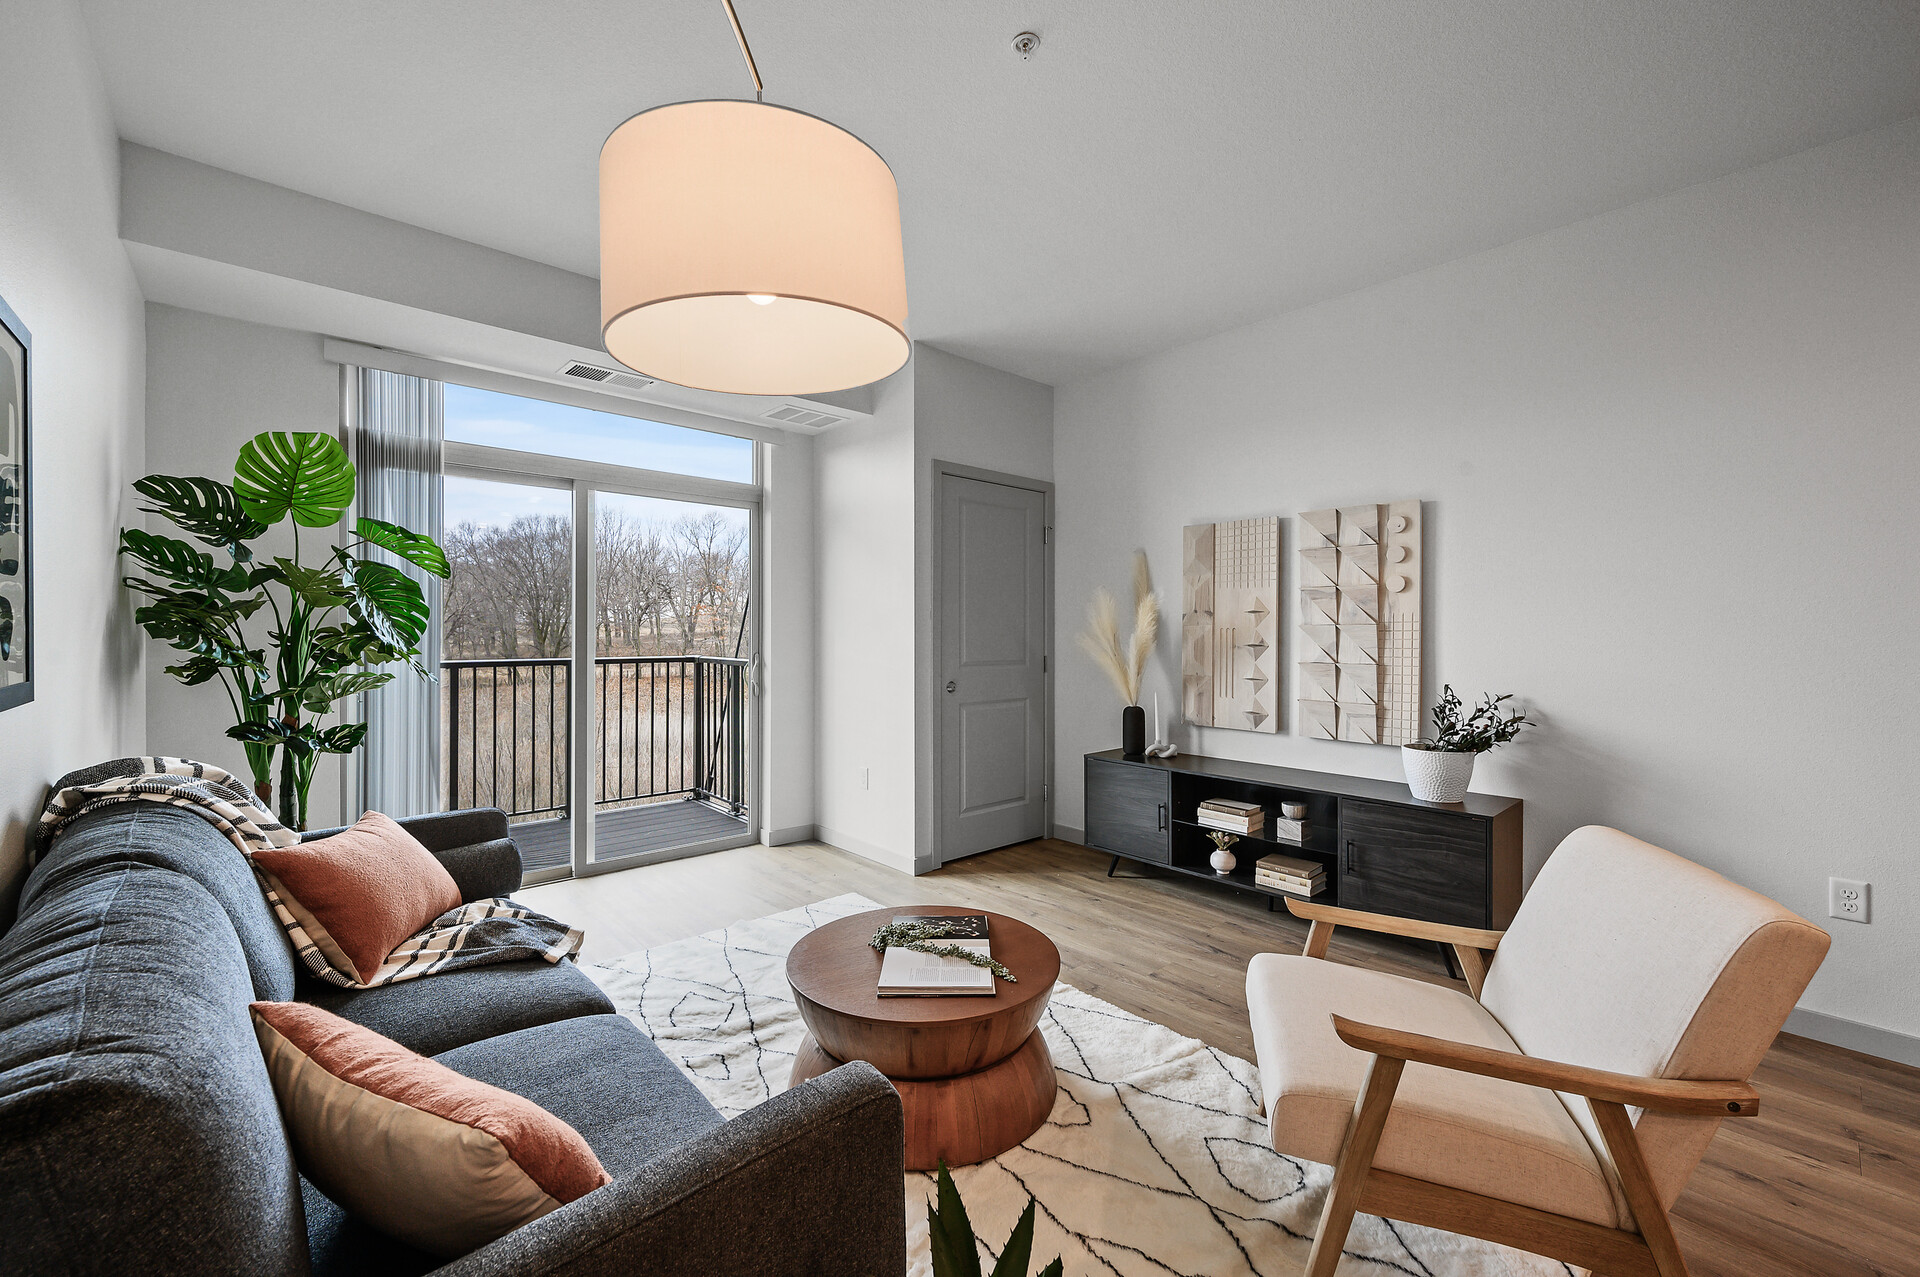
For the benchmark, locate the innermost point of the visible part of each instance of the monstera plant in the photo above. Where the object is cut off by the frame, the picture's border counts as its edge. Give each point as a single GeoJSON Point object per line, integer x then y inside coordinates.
{"type": "Point", "coordinates": [328, 617]}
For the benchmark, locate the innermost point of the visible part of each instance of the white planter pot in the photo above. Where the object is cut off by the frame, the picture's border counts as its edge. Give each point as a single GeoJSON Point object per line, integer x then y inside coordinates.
{"type": "Point", "coordinates": [1437, 775]}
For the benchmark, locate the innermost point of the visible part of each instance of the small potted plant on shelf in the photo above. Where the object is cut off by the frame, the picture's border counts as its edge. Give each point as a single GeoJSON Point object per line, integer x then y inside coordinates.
{"type": "Point", "coordinates": [1439, 767]}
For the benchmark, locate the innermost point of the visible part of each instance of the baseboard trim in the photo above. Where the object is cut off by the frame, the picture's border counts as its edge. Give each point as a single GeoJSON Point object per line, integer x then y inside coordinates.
{"type": "Point", "coordinates": [1868, 1039]}
{"type": "Point", "coordinates": [1067, 833]}
{"type": "Point", "coordinates": [791, 833]}
{"type": "Point", "coordinates": [903, 861]}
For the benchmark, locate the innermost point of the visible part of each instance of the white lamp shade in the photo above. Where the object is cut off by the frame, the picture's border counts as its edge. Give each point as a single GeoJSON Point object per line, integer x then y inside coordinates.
{"type": "Point", "coordinates": [707, 209]}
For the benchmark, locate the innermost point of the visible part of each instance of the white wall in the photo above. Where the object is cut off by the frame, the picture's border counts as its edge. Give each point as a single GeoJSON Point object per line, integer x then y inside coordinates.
{"type": "Point", "coordinates": [63, 271]}
{"type": "Point", "coordinates": [864, 601]}
{"type": "Point", "coordinates": [1673, 464]}
{"type": "Point", "coordinates": [213, 384]}
{"type": "Point", "coordinates": [788, 653]}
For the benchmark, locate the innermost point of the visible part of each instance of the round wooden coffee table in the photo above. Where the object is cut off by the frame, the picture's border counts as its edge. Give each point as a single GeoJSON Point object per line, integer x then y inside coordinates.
{"type": "Point", "coordinates": [973, 1073]}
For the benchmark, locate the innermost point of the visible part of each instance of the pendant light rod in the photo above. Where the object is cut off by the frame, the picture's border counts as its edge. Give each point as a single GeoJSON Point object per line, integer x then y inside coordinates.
{"type": "Point", "coordinates": [740, 34]}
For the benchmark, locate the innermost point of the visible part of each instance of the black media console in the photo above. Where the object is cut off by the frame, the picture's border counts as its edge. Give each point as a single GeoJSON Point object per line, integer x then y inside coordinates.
{"type": "Point", "coordinates": [1385, 850]}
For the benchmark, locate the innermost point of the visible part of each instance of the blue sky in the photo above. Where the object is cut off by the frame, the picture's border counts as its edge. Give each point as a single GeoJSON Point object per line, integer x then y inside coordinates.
{"type": "Point", "coordinates": [561, 430]}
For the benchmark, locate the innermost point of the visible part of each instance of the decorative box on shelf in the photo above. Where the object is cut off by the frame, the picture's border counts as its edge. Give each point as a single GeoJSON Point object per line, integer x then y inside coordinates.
{"type": "Point", "coordinates": [1378, 847]}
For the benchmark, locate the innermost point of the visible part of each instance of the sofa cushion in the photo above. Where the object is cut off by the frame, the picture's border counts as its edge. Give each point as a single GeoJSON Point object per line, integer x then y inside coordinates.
{"type": "Point", "coordinates": [138, 1130]}
{"type": "Point", "coordinates": [368, 889]}
{"type": "Point", "coordinates": [1482, 1134]}
{"type": "Point", "coordinates": [427, 1155]}
{"type": "Point", "coordinates": [454, 1008]}
{"type": "Point", "coordinates": [598, 1074]}
{"type": "Point", "coordinates": [168, 838]}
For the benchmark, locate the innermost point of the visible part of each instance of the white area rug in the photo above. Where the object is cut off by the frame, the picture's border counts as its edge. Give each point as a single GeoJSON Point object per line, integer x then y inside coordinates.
{"type": "Point", "coordinates": [1154, 1161]}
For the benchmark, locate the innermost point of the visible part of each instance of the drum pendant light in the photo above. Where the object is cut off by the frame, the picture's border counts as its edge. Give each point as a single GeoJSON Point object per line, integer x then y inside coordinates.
{"type": "Point", "coordinates": [749, 248]}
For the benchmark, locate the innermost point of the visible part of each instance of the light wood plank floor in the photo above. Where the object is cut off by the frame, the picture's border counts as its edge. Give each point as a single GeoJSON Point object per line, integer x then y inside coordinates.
{"type": "Point", "coordinates": [1826, 1180]}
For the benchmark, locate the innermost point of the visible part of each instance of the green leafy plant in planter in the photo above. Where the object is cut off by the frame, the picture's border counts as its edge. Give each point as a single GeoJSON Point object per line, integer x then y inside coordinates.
{"type": "Point", "coordinates": [329, 621]}
{"type": "Point", "coordinates": [951, 1242]}
{"type": "Point", "coordinates": [1440, 767]}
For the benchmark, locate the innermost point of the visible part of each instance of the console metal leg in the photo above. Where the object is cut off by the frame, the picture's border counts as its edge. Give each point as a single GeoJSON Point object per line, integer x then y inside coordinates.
{"type": "Point", "coordinates": [1115, 865]}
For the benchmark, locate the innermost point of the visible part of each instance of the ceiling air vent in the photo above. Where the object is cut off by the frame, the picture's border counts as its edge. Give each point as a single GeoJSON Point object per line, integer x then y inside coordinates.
{"type": "Point", "coordinates": [604, 376]}
{"type": "Point", "coordinates": [803, 418]}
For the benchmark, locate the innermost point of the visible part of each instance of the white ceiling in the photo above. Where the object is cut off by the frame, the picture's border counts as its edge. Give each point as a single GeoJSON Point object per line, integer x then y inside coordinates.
{"type": "Point", "coordinates": [1157, 172]}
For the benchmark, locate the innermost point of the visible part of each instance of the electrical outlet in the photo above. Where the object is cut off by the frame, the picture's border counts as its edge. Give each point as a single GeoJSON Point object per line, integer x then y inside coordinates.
{"type": "Point", "coordinates": [1848, 899]}
{"type": "Point", "coordinates": [863, 778]}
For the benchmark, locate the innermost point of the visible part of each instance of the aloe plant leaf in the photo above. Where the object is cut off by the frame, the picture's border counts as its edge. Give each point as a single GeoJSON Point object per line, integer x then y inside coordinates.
{"type": "Point", "coordinates": [950, 1232]}
{"type": "Point", "coordinates": [1055, 1269]}
{"type": "Point", "coordinates": [420, 550]}
{"type": "Point", "coordinates": [205, 509]}
{"type": "Point", "coordinates": [1019, 1247]}
{"type": "Point", "coordinates": [305, 475]}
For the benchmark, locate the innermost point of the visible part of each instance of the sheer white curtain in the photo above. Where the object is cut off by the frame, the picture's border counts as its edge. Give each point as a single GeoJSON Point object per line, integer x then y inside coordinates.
{"type": "Point", "coordinates": [397, 432]}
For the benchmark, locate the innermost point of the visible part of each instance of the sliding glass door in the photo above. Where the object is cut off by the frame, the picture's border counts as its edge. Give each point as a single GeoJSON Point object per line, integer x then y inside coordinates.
{"type": "Point", "coordinates": [599, 638]}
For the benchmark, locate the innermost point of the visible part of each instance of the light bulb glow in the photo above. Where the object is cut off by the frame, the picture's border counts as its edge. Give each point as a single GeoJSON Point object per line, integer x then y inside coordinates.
{"type": "Point", "coordinates": [760, 299]}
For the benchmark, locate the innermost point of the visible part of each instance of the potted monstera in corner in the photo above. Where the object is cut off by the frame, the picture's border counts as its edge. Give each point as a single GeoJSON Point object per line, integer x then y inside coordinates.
{"type": "Point", "coordinates": [326, 621]}
{"type": "Point", "coordinates": [1439, 767]}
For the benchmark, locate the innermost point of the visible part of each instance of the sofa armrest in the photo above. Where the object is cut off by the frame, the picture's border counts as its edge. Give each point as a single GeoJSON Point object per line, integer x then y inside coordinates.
{"type": "Point", "coordinates": [475, 846]}
{"type": "Point", "coordinates": [810, 1182]}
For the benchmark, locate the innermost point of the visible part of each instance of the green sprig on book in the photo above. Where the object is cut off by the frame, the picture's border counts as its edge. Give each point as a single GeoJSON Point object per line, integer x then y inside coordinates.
{"type": "Point", "coordinates": [919, 937]}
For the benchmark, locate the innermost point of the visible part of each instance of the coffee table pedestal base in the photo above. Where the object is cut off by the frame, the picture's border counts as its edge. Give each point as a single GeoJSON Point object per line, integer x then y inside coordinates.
{"type": "Point", "coordinates": [966, 1119]}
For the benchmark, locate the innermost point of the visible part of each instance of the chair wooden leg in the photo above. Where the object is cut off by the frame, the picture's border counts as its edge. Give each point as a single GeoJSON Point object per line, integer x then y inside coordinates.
{"type": "Point", "coordinates": [1319, 935]}
{"type": "Point", "coordinates": [1616, 1128]}
{"type": "Point", "coordinates": [1370, 1111]}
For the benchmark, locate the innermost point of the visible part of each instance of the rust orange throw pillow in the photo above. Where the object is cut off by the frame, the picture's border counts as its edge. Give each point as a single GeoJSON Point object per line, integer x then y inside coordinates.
{"type": "Point", "coordinates": [420, 1152]}
{"type": "Point", "coordinates": [368, 888]}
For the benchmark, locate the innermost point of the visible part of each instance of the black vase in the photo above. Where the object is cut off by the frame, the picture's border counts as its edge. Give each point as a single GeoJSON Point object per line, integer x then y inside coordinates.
{"type": "Point", "coordinates": [1133, 732]}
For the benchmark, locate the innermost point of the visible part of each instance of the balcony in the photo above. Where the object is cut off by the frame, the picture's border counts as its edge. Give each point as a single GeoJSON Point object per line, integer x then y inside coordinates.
{"type": "Point", "coordinates": [670, 750]}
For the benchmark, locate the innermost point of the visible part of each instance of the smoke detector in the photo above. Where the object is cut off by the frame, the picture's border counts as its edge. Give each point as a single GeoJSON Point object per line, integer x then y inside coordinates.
{"type": "Point", "coordinates": [604, 376]}
{"type": "Point", "coordinates": [1025, 43]}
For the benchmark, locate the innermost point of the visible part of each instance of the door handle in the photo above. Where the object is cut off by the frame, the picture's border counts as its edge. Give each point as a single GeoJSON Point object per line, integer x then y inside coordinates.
{"type": "Point", "coordinates": [1163, 817]}
{"type": "Point", "coordinates": [949, 687]}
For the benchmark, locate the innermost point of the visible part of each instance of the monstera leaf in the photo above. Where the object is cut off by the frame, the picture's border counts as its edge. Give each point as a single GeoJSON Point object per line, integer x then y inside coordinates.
{"type": "Point", "coordinates": [320, 696]}
{"type": "Point", "coordinates": [179, 562]}
{"type": "Point", "coordinates": [319, 587]}
{"type": "Point", "coordinates": [305, 475]}
{"type": "Point", "coordinates": [386, 600]}
{"type": "Point", "coordinates": [421, 551]}
{"type": "Point", "coordinates": [341, 738]}
{"type": "Point", "coordinates": [204, 509]}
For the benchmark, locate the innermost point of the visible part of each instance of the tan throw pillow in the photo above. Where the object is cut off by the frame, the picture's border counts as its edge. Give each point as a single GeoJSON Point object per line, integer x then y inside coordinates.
{"type": "Point", "coordinates": [364, 890]}
{"type": "Point", "coordinates": [418, 1151]}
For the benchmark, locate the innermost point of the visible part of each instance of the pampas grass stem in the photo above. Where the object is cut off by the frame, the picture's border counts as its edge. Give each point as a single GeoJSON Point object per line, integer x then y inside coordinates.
{"type": "Point", "coordinates": [1123, 664]}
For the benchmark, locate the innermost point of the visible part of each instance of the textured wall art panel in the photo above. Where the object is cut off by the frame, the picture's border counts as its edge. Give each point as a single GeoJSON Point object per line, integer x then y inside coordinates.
{"type": "Point", "coordinates": [1230, 624]}
{"type": "Point", "coordinates": [1359, 623]}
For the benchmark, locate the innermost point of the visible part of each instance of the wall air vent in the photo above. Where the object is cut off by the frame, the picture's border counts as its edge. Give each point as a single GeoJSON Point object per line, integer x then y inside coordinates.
{"type": "Point", "coordinates": [796, 417]}
{"type": "Point", "coordinates": [604, 376]}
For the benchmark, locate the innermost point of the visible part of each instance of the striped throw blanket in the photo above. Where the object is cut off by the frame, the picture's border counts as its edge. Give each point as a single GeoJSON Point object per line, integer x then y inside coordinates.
{"type": "Point", "coordinates": [476, 934]}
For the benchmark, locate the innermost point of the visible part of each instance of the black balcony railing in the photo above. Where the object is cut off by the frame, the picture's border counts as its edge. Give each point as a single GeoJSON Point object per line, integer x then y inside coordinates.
{"type": "Point", "coordinates": [666, 726]}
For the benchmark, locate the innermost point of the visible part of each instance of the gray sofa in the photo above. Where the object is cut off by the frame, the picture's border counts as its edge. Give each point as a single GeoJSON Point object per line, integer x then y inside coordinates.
{"type": "Point", "coordinates": [139, 1132]}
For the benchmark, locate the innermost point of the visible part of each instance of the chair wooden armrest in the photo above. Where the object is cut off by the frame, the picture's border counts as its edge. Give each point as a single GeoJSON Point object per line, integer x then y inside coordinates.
{"type": "Point", "coordinates": [1470, 945]}
{"type": "Point", "coordinates": [1668, 1095]}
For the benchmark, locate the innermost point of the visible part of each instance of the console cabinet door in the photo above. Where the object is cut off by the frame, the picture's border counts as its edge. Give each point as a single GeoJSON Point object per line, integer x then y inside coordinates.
{"type": "Point", "coordinates": [1414, 864]}
{"type": "Point", "coordinates": [1129, 811]}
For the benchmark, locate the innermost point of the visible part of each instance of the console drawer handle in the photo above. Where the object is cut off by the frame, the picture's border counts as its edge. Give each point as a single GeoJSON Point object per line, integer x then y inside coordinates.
{"type": "Point", "coordinates": [1353, 861]}
{"type": "Point", "coordinates": [1163, 817]}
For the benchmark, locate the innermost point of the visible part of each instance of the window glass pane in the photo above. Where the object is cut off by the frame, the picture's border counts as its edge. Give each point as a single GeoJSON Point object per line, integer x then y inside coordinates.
{"type": "Point", "coordinates": [494, 420]}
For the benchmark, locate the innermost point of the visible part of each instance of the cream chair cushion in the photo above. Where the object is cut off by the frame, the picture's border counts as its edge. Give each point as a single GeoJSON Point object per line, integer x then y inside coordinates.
{"type": "Point", "coordinates": [1500, 1139]}
{"type": "Point", "coordinates": [1629, 958]}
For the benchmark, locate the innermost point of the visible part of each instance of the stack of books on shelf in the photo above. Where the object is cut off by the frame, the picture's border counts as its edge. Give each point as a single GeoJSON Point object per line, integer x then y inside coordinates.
{"type": "Point", "coordinates": [908, 973]}
{"type": "Point", "coordinates": [1231, 815]}
{"type": "Point", "coordinates": [1290, 874]}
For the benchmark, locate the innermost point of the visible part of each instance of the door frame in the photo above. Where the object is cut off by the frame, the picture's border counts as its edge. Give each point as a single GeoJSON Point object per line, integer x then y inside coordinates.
{"type": "Point", "coordinates": [582, 479]}
{"type": "Point", "coordinates": [934, 776]}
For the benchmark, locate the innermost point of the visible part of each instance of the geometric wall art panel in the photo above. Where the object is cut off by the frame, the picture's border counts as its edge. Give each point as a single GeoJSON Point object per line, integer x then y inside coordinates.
{"type": "Point", "coordinates": [1359, 624]}
{"type": "Point", "coordinates": [1230, 625]}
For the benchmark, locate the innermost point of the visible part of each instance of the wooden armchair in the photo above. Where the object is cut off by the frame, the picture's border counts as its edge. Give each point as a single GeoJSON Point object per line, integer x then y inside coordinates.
{"type": "Point", "coordinates": [1560, 1108]}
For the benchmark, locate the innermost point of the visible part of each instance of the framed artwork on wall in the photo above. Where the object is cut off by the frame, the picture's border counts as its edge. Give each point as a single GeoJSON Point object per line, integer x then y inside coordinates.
{"type": "Point", "coordinates": [16, 524]}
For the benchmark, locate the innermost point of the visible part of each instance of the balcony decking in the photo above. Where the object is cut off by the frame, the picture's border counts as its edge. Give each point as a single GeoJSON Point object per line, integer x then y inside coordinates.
{"type": "Point", "coordinates": [625, 831]}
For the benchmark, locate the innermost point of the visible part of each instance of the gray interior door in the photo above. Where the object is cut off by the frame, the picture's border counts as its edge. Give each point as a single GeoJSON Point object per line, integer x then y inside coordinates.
{"type": "Point", "coordinates": [993, 719]}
